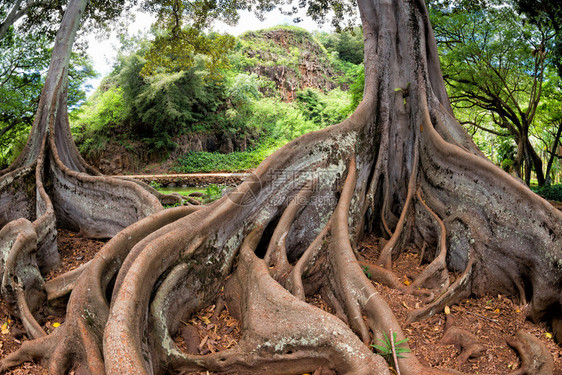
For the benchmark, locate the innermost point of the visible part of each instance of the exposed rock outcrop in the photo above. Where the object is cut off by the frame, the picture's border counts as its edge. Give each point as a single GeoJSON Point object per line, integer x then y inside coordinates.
{"type": "Point", "coordinates": [290, 57]}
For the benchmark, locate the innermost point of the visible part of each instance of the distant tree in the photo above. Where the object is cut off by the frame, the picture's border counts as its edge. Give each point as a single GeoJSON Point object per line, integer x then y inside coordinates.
{"type": "Point", "coordinates": [493, 61]}
{"type": "Point", "coordinates": [347, 43]}
{"type": "Point", "coordinates": [548, 125]}
{"type": "Point", "coordinates": [549, 12]}
{"type": "Point", "coordinates": [350, 46]}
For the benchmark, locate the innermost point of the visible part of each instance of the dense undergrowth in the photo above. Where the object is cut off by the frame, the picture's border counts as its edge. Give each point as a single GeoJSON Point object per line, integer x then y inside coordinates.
{"type": "Point", "coordinates": [236, 161]}
{"type": "Point", "coordinates": [280, 83]}
{"type": "Point", "coordinates": [551, 192]}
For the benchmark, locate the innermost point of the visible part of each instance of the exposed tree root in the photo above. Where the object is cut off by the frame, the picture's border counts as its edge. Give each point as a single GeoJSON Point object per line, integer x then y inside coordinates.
{"type": "Point", "coordinates": [276, 255]}
{"type": "Point", "coordinates": [355, 177]}
{"type": "Point", "coordinates": [88, 308]}
{"type": "Point", "coordinates": [21, 269]}
{"type": "Point", "coordinates": [389, 278]}
{"type": "Point", "coordinates": [398, 238]}
{"type": "Point", "coordinates": [466, 342]}
{"type": "Point", "coordinates": [460, 289]}
{"type": "Point", "coordinates": [535, 359]}
{"type": "Point", "coordinates": [435, 275]}
{"type": "Point", "coordinates": [265, 348]}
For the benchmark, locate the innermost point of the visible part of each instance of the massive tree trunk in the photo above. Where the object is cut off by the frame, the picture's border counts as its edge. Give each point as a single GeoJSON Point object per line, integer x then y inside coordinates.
{"type": "Point", "coordinates": [401, 166]}
{"type": "Point", "coordinates": [49, 185]}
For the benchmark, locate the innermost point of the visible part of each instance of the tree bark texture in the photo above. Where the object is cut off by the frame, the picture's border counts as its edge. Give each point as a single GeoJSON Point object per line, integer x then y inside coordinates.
{"type": "Point", "coordinates": [400, 166]}
{"type": "Point", "coordinates": [49, 185]}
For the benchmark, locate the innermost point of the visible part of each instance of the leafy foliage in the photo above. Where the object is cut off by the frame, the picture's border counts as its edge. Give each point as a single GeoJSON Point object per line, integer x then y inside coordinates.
{"type": "Point", "coordinates": [193, 162]}
{"type": "Point", "coordinates": [23, 63]}
{"type": "Point", "coordinates": [42, 17]}
{"type": "Point", "coordinates": [386, 347]}
{"type": "Point", "coordinates": [347, 44]}
{"type": "Point", "coordinates": [212, 193]}
{"type": "Point", "coordinates": [98, 119]}
{"type": "Point", "coordinates": [495, 65]}
{"type": "Point", "coordinates": [311, 106]}
{"type": "Point", "coordinates": [541, 12]}
{"type": "Point", "coordinates": [506, 154]}
{"type": "Point", "coordinates": [552, 192]}
{"type": "Point", "coordinates": [164, 56]}
{"type": "Point", "coordinates": [357, 87]}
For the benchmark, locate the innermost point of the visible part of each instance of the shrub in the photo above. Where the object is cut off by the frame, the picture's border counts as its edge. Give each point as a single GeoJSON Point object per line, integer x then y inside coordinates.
{"type": "Point", "coordinates": [507, 165]}
{"type": "Point", "coordinates": [311, 105]}
{"type": "Point", "coordinates": [97, 119]}
{"type": "Point", "coordinates": [552, 192]}
{"type": "Point", "coordinates": [193, 162]}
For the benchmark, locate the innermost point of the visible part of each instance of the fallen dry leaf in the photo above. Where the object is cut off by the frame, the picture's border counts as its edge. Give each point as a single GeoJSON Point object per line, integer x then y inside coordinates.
{"type": "Point", "coordinates": [203, 342]}
{"type": "Point", "coordinates": [5, 329]}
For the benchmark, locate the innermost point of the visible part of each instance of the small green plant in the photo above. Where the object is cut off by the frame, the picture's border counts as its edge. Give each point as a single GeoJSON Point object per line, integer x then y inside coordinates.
{"type": "Point", "coordinates": [154, 185]}
{"type": "Point", "coordinates": [390, 349]}
{"type": "Point", "coordinates": [507, 165]}
{"type": "Point", "coordinates": [177, 204]}
{"type": "Point", "coordinates": [213, 192]}
{"type": "Point", "coordinates": [405, 91]}
{"type": "Point", "coordinates": [367, 273]}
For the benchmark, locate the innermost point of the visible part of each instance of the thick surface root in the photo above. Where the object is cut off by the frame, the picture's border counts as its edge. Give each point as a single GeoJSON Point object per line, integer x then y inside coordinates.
{"type": "Point", "coordinates": [468, 344]}
{"type": "Point", "coordinates": [363, 174]}
{"type": "Point", "coordinates": [77, 342]}
{"type": "Point", "coordinates": [535, 359]}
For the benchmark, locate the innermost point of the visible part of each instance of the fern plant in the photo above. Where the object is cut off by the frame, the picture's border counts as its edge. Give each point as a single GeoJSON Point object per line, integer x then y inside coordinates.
{"type": "Point", "coordinates": [390, 349]}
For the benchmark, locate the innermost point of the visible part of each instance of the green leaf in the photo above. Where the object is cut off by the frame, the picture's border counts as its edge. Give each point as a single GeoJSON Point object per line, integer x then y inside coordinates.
{"type": "Point", "coordinates": [402, 350]}
{"type": "Point", "coordinates": [381, 348]}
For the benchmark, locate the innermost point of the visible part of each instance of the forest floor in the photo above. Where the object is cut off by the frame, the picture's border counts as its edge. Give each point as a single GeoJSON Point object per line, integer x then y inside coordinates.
{"type": "Point", "coordinates": [491, 318]}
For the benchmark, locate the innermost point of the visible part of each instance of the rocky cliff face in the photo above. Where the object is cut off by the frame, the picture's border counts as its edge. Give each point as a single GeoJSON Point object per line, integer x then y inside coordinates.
{"type": "Point", "coordinates": [290, 57]}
